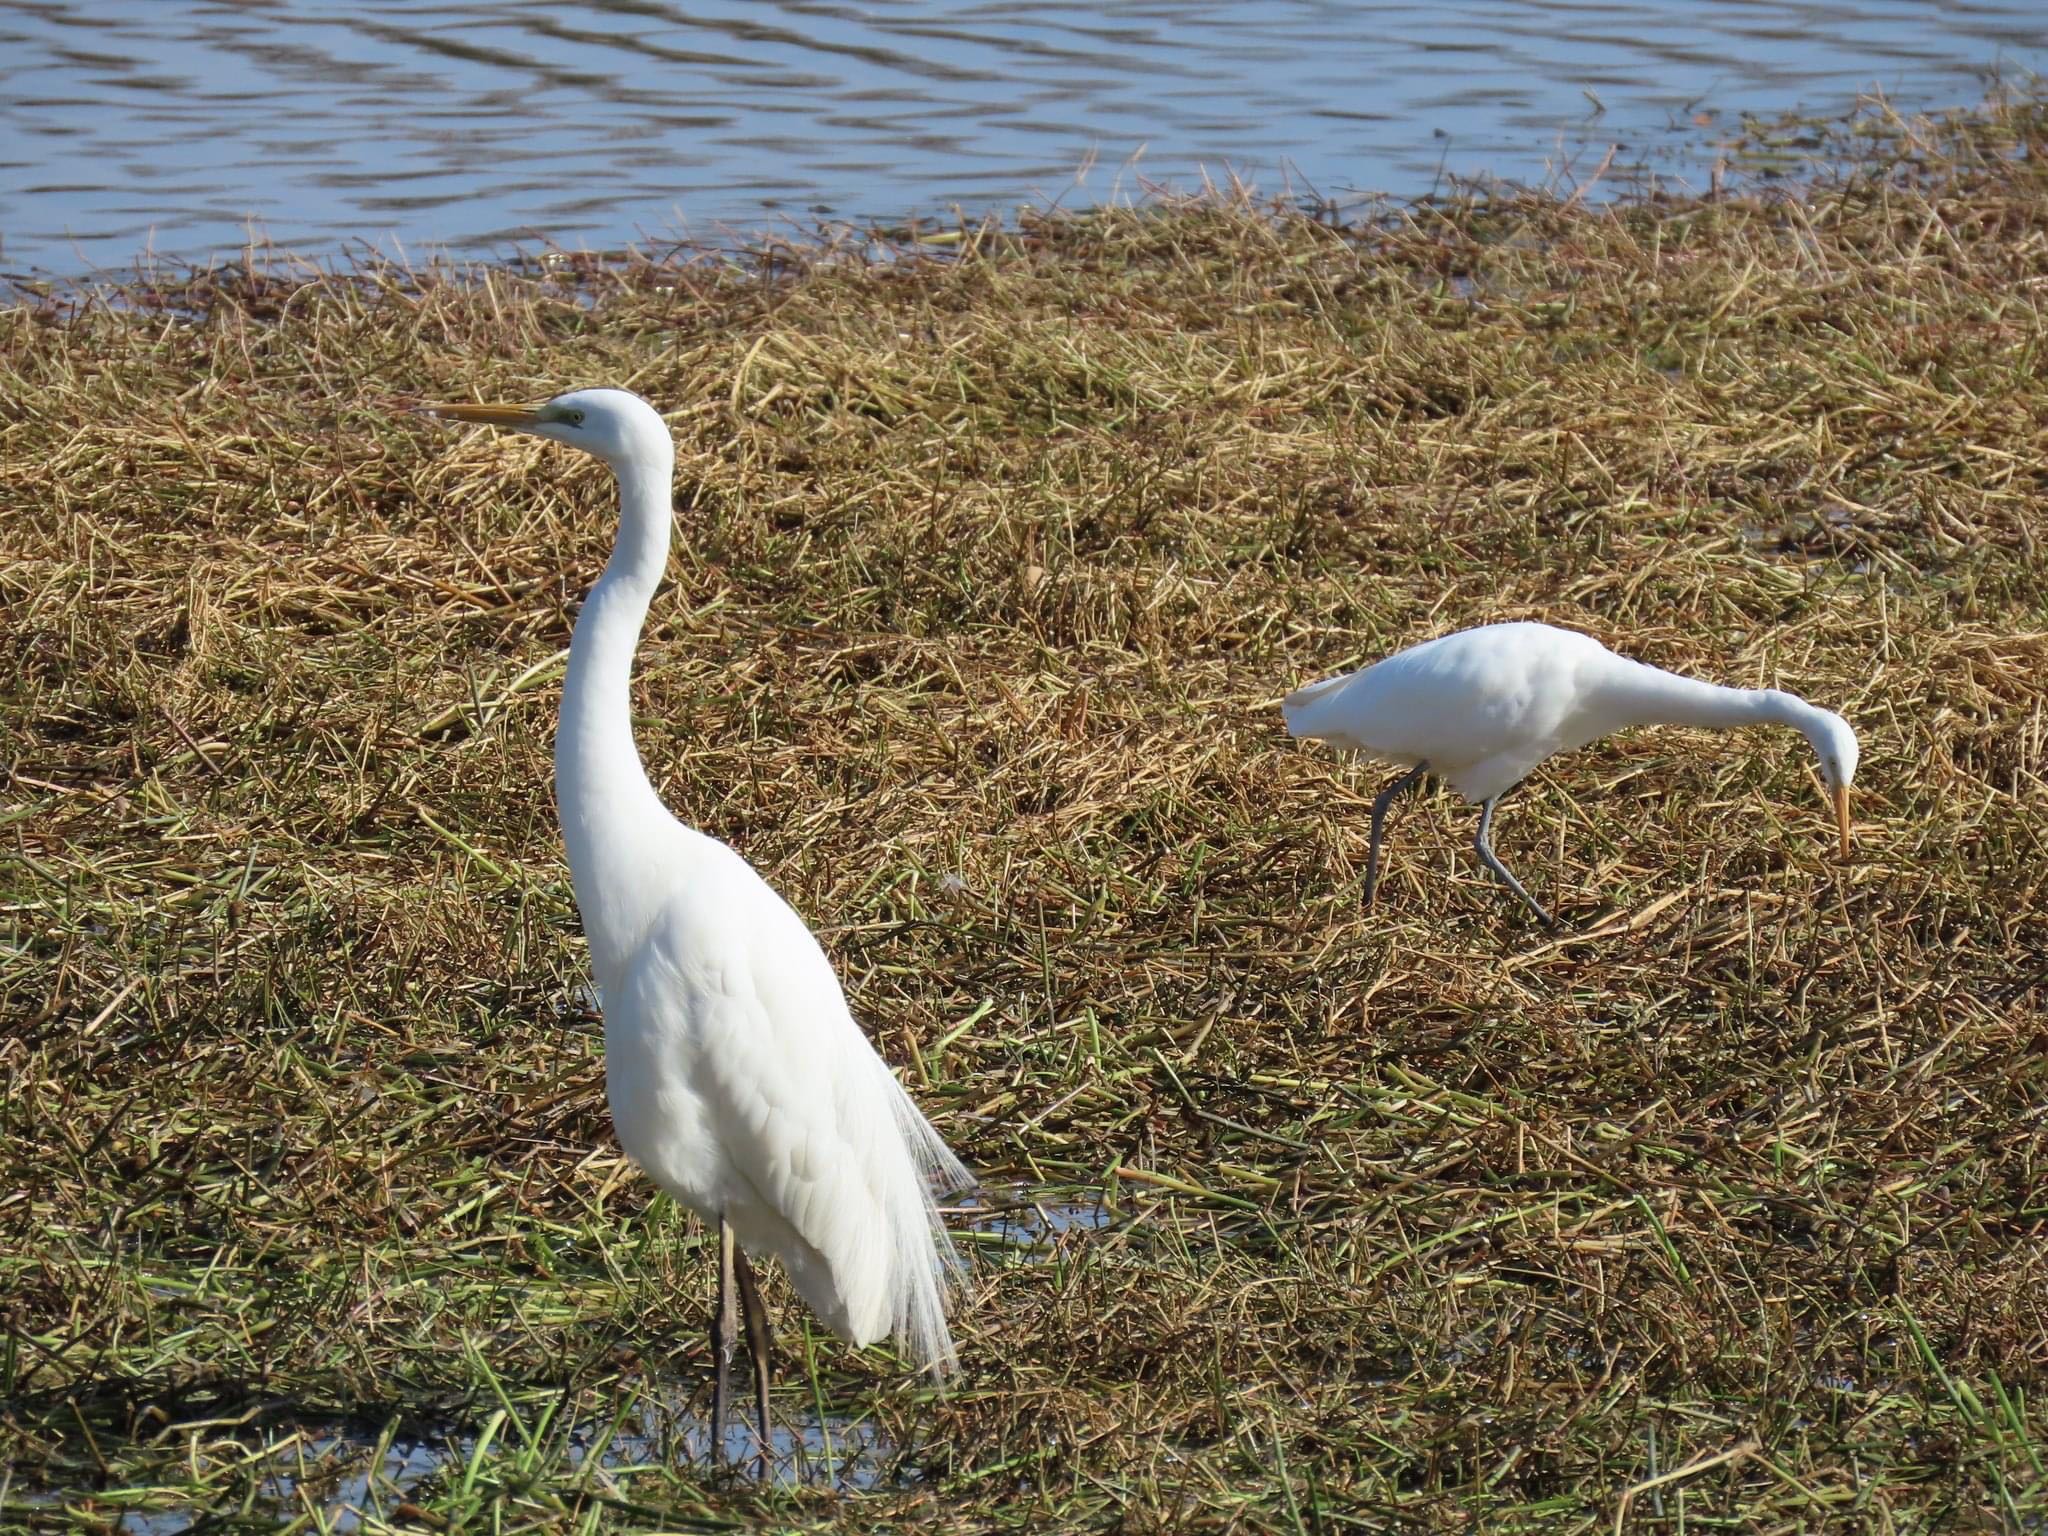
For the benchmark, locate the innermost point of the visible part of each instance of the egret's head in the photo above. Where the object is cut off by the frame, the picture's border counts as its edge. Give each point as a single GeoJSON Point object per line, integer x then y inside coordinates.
{"type": "Point", "coordinates": [1836, 745]}
{"type": "Point", "coordinates": [615, 424]}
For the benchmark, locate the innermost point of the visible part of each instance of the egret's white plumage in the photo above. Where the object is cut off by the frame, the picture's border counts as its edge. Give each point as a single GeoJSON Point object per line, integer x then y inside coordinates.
{"type": "Point", "coordinates": [1481, 708]}
{"type": "Point", "coordinates": [737, 1078]}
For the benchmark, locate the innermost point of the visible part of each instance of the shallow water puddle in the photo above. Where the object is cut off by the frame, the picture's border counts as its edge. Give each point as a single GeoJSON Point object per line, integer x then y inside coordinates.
{"type": "Point", "coordinates": [343, 1472]}
{"type": "Point", "coordinates": [841, 1450]}
{"type": "Point", "coordinates": [1024, 1227]}
{"type": "Point", "coordinates": [326, 1468]}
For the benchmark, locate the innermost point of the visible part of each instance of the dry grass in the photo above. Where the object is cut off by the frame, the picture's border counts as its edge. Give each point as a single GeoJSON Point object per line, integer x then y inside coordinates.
{"type": "Point", "coordinates": [1725, 1211]}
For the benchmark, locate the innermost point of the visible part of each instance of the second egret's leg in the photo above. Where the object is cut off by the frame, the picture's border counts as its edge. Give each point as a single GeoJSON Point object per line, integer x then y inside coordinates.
{"type": "Point", "coordinates": [1484, 843]}
{"type": "Point", "coordinates": [724, 1332]}
{"type": "Point", "coordinates": [760, 1344]}
{"type": "Point", "coordinates": [1379, 822]}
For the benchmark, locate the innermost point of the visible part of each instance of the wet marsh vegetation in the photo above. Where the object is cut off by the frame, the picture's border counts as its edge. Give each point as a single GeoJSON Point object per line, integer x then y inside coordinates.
{"type": "Point", "coordinates": [1722, 1209]}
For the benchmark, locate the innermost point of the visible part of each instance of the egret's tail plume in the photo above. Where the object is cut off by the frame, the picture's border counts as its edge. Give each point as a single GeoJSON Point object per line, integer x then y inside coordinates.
{"type": "Point", "coordinates": [1298, 708]}
{"type": "Point", "coordinates": [926, 1261]}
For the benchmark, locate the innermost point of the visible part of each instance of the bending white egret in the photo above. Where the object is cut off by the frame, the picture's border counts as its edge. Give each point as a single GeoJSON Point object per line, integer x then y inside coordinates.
{"type": "Point", "coordinates": [737, 1078]}
{"type": "Point", "coordinates": [1481, 708]}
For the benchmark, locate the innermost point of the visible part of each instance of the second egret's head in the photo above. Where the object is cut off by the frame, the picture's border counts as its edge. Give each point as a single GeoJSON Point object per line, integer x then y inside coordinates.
{"type": "Point", "coordinates": [1836, 745]}
{"type": "Point", "coordinates": [614, 424]}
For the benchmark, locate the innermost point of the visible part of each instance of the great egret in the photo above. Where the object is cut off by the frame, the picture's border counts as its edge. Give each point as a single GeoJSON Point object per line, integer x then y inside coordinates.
{"type": "Point", "coordinates": [737, 1078]}
{"type": "Point", "coordinates": [1481, 708]}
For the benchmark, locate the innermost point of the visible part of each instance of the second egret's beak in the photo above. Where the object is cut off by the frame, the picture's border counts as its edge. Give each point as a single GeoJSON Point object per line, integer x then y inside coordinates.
{"type": "Point", "coordinates": [1842, 815]}
{"type": "Point", "coordinates": [485, 415]}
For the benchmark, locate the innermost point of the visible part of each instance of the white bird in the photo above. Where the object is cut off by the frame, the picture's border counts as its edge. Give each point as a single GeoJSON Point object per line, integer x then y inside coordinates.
{"type": "Point", "coordinates": [737, 1078]}
{"type": "Point", "coordinates": [1481, 708]}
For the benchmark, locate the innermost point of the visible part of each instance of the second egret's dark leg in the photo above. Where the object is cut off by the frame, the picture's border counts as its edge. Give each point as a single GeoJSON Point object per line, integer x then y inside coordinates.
{"type": "Point", "coordinates": [760, 1344]}
{"type": "Point", "coordinates": [1484, 843]}
{"type": "Point", "coordinates": [724, 1332]}
{"type": "Point", "coordinates": [1379, 822]}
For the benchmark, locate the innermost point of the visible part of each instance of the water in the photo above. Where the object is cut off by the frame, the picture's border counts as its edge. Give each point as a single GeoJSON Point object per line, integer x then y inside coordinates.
{"type": "Point", "coordinates": [1025, 1227]}
{"type": "Point", "coordinates": [344, 1469]}
{"type": "Point", "coordinates": [475, 125]}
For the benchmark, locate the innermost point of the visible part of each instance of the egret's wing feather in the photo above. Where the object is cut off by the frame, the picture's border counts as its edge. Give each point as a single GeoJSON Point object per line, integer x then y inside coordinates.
{"type": "Point", "coordinates": [906, 1162]}
{"type": "Point", "coordinates": [942, 1172]}
{"type": "Point", "coordinates": [1499, 696]}
{"type": "Point", "coordinates": [813, 1123]}
{"type": "Point", "coordinates": [1298, 708]}
{"type": "Point", "coordinates": [806, 1159]}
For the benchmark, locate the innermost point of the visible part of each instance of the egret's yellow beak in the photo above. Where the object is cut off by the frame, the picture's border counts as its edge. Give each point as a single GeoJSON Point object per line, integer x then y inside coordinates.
{"type": "Point", "coordinates": [1842, 816]}
{"type": "Point", "coordinates": [485, 415]}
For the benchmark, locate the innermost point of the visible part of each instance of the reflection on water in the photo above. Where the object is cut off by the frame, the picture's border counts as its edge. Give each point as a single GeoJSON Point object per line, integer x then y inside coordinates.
{"type": "Point", "coordinates": [840, 1450]}
{"type": "Point", "coordinates": [1024, 1227]}
{"type": "Point", "coordinates": [474, 123]}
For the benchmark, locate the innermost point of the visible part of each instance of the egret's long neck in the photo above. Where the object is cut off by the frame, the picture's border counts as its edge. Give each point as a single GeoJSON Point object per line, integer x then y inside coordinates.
{"type": "Point", "coordinates": [1633, 693]}
{"type": "Point", "coordinates": [607, 805]}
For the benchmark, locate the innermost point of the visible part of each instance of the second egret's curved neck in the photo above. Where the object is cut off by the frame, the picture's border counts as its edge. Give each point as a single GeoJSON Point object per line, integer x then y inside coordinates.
{"type": "Point", "coordinates": [1635, 693]}
{"type": "Point", "coordinates": [601, 788]}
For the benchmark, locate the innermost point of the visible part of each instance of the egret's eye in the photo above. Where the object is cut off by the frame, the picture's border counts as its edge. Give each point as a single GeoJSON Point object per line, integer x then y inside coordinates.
{"type": "Point", "coordinates": [574, 418]}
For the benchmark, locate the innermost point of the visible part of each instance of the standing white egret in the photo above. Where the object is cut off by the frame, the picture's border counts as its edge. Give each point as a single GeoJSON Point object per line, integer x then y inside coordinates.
{"type": "Point", "coordinates": [1481, 708]}
{"type": "Point", "coordinates": [737, 1078]}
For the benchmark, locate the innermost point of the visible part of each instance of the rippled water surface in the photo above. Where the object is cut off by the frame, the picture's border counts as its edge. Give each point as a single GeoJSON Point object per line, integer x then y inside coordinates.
{"type": "Point", "coordinates": [182, 124]}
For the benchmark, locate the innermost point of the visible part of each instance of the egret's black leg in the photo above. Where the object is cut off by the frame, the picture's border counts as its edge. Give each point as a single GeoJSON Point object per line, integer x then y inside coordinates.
{"type": "Point", "coordinates": [760, 1344]}
{"type": "Point", "coordinates": [1379, 822]}
{"type": "Point", "coordinates": [724, 1331]}
{"type": "Point", "coordinates": [1484, 843]}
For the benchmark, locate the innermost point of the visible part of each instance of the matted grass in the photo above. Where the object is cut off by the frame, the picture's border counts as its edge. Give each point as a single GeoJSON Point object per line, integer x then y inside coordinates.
{"type": "Point", "coordinates": [1722, 1211]}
